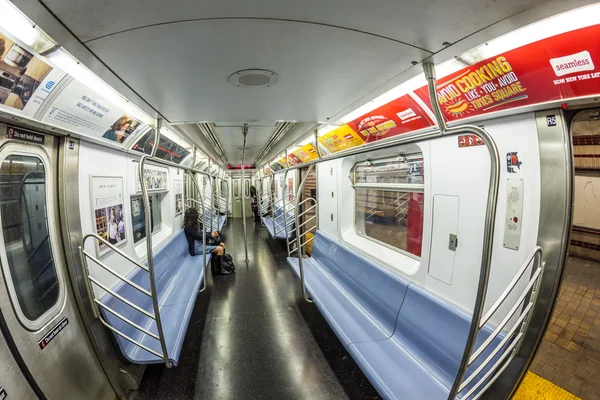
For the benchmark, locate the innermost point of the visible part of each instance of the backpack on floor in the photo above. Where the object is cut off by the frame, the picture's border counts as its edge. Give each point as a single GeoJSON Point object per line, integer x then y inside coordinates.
{"type": "Point", "coordinates": [227, 263]}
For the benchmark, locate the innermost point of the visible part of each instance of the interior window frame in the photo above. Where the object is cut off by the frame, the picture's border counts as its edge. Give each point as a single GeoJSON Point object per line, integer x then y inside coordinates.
{"type": "Point", "coordinates": [236, 188]}
{"type": "Point", "coordinates": [247, 190]}
{"type": "Point", "coordinates": [53, 312]}
{"type": "Point", "coordinates": [387, 187]}
{"type": "Point", "coordinates": [159, 196]}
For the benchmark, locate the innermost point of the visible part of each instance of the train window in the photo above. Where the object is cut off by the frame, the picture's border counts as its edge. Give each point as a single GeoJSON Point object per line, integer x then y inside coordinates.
{"type": "Point", "coordinates": [223, 188]}
{"type": "Point", "coordinates": [247, 188]}
{"type": "Point", "coordinates": [26, 234]}
{"type": "Point", "coordinates": [236, 188]}
{"type": "Point", "coordinates": [389, 198]}
{"type": "Point", "coordinates": [138, 216]}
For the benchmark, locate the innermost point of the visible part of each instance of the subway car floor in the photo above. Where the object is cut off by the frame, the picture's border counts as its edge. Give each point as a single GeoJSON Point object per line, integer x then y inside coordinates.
{"type": "Point", "coordinates": [252, 336]}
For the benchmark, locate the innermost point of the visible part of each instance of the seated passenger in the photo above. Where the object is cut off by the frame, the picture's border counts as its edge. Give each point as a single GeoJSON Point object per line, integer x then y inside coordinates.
{"type": "Point", "coordinates": [193, 227]}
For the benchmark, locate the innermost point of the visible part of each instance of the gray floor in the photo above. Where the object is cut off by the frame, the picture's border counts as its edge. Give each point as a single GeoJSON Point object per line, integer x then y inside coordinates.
{"type": "Point", "coordinates": [253, 337]}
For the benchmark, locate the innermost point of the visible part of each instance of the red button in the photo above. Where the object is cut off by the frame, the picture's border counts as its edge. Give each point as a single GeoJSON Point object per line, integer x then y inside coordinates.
{"type": "Point", "coordinates": [515, 219]}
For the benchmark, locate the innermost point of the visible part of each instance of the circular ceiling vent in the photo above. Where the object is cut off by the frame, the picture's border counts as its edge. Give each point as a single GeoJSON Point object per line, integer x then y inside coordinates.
{"type": "Point", "coordinates": [254, 78]}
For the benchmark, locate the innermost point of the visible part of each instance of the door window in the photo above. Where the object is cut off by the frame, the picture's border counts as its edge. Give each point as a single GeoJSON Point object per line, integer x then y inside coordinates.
{"type": "Point", "coordinates": [236, 188]}
{"type": "Point", "coordinates": [246, 187]}
{"type": "Point", "coordinates": [24, 215]}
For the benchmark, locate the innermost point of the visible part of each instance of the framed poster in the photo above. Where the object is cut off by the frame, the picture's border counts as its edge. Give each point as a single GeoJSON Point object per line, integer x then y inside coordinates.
{"type": "Point", "coordinates": [155, 178]}
{"type": "Point", "coordinates": [290, 189]}
{"type": "Point", "coordinates": [107, 204]}
{"type": "Point", "coordinates": [178, 189]}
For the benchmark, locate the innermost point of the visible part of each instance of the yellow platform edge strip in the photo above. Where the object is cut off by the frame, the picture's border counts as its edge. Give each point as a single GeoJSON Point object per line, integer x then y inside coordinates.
{"type": "Point", "coordinates": [534, 387]}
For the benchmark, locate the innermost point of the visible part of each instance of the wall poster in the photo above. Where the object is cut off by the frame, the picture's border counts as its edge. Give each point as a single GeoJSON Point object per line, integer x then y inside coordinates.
{"type": "Point", "coordinates": [290, 189]}
{"type": "Point", "coordinates": [178, 189]}
{"type": "Point", "coordinates": [25, 80]}
{"type": "Point", "coordinates": [154, 177]}
{"type": "Point", "coordinates": [107, 203]}
{"type": "Point", "coordinates": [79, 109]}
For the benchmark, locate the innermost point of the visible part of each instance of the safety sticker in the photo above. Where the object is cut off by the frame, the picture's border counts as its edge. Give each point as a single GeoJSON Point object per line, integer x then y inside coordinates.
{"type": "Point", "coordinates": [469, 141]}
{"type": "Point", "coordinates": [53, 333]}
{"type": "Point", "coordinates": [24, 135]}
{"type": "Point", "coordinates": [513, 164]}
{"type": "Point", "coordinates": [3, 394]}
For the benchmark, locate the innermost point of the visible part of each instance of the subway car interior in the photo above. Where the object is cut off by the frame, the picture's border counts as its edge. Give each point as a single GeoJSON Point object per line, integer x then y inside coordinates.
{"type": "Point", "coordinates": [299, 200]}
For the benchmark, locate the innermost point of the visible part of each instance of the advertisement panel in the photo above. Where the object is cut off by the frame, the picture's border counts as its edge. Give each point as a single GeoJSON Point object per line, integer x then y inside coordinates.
{"type": "Point", "coordinates": [178, 189]}
{"type": "Point", "coordinates": [340, 139]}
{"type": "Point", "coordinates": [79, 109]}
{"type": "Point", "coordinates": [107, 204]}
{"type": "Point", "coordinates": [306, 153]}
{"type": "Point", "coordinates": [560, 67]}
{"type": "Point", "coordinates": [293, 159]}
{"type": "Point", "coordinates": [155, 178]}
{"type": "Point", "coordinates": [25, 80]}
{"type": "Point", "coordinates": [167, 149]}
{"type": "Point", "coordinates": [399, 116]}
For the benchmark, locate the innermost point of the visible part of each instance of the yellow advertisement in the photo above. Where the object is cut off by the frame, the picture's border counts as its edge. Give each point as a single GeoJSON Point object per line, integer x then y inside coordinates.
{"type": "Point", "coordinates": [340, 139]}
{"type": "Point", "coordinates": [306, 153]}
{"type": "Point", "coordinates": [282, 162]}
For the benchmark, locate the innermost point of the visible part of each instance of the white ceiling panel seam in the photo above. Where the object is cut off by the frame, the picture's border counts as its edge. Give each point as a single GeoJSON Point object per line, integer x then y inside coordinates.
{"type": "Point", "coordinates": [191, 20]}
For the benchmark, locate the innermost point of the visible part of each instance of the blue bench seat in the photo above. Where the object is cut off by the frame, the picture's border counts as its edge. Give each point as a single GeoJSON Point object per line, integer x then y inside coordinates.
{"type": "Point", "coordinates": [218, 222]}
{"type": "Point", "coordinates": [407, 341]}
{"type": "Point", "coordinates": [279, 224]}
{"type": "Point", "coordinates": [178, 277]}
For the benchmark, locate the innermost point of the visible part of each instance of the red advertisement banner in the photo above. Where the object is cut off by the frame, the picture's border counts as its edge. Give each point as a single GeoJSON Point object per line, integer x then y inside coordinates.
{"type": "Point", "coordinates": [560, 67]}
{"type": "Point", "coordinates": [293, 159]}
{"type": "Point", "coordinates": [399, 116]}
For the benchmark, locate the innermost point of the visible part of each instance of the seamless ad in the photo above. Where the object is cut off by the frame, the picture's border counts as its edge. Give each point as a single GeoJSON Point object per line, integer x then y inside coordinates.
{"type": "Point", "coordinates": [560, 67]}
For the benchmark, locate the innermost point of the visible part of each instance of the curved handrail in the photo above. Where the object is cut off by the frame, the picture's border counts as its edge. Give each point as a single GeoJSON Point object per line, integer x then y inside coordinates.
{"type": "Point", "coordinates": [150, 257]}
{"type": "Point", "coordinates": [298, 236]}
{"type": "Point", "coordinates": [193, 179]}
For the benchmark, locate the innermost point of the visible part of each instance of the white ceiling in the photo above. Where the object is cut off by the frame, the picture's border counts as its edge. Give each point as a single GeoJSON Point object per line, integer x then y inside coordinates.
{"type": "Point", "coordinates": [329, 54]}
{"type": "Point", "coordinates": [178, 54]}
{"type": "Point", "coordinates": [231, 139]}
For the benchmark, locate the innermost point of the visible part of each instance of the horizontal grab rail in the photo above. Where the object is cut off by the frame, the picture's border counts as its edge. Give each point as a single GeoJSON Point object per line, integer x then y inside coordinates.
{"type": "Point", "coordinates": [307, 221]}
{"type": "Point", "coordinates": [497, 348]}
{"type": "Point", "coordinates": [115, 249]}
{"type": "Point", "coordinates": [537, 251]}
{"type": "Point", "coordinates": [116, 274]}
{"type": "Point", "coordinates": [124, 336]}
{"type": "Point", "coordinates": [124, 319]}
{"type": "Point", "coordinates": [123, 299]}
{"type": "Point", "coordinates": [507, 318]}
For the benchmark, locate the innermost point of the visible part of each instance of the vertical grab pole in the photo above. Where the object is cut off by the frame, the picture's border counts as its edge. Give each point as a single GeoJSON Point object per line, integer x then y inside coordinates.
{"type": "Point", "coordinates": [298, 238]}
{"type": "Point", "coordinates": [244, 133]}
{"type": "Point", "coordinates": [316, 132]}
{"type": "Point", "coordinates": [285, 224]}
{"type": "Point", "coordinates": [273, 212]}
{"type": "Point", "coordinates": [150, 258]}
{"type": "Point", "coordinates": [203, 193]}
{"type": "Point", "coordinates": [488, 234]}
{"type": "Point", "coordinates": [258, 194]}
{"type": "Point", "coordinates": [193, 179]}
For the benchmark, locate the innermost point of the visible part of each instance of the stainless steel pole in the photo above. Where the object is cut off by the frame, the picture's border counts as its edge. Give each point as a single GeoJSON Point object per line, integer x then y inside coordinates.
{"type": "Point", "coordinates": [298, 238]}
{"type": "Point", "coordinates": [244, 133]}
{"type": "Point", "coordinates": [490, 218]}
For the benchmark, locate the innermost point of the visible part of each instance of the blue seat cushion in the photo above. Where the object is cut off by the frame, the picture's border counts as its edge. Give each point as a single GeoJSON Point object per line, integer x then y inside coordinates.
{"type": "Point", "coordinates": [279, 224]}
{"type": "Point", "coordinates": [407, 341]}
{"type": "Point", "coordinates": [378, 291]}
{"type": "Point", "coordinates": [346, 317]}
{"type": "Point", "coordinates": [178, 279]}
